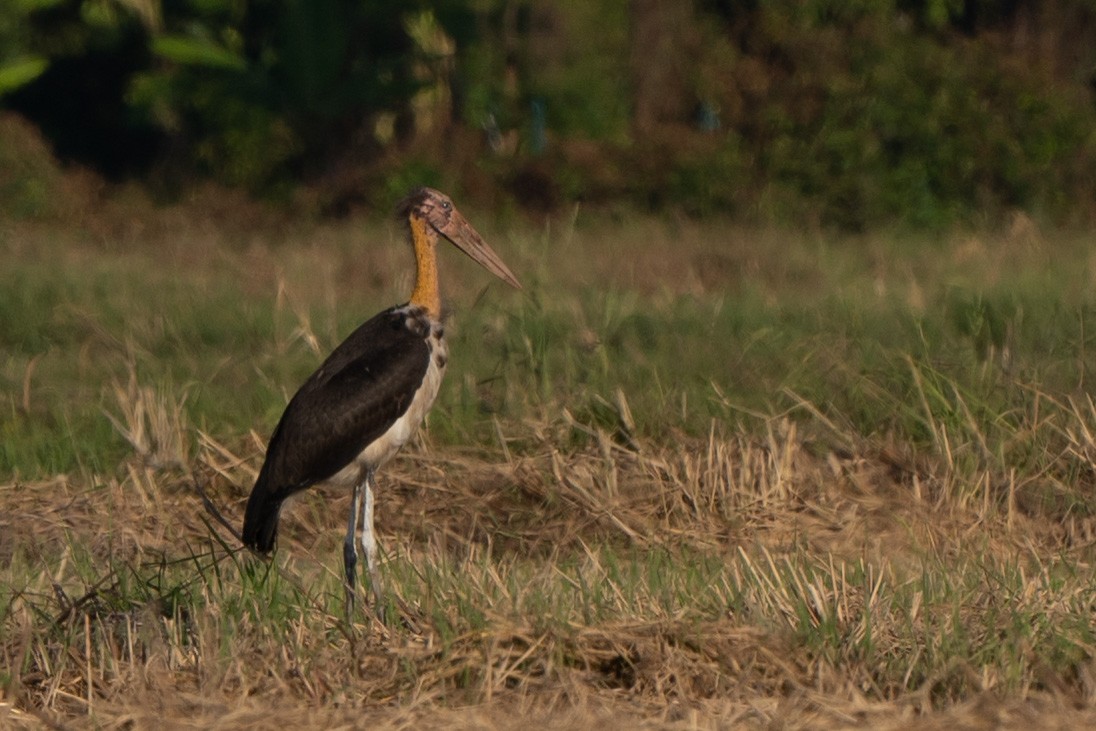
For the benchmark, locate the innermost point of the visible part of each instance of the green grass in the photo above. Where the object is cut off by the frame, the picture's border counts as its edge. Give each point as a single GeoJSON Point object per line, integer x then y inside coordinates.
{"type": "Point", "coordinates": [895, 630]}
{"type": "Point", "coordinates": [884, 350]}
{"type": "Point", "coordinates": [686, 464]}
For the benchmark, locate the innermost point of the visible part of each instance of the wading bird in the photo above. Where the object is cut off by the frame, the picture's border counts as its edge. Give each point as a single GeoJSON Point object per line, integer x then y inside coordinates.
{"type": "Point", "coordinates": [370, 395]}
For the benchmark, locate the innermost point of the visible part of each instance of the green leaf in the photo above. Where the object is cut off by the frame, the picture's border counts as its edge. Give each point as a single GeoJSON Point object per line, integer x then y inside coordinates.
{"type": "Point", "coordinates": [197, 52]}
{"type": "Point", "coordinates": [16, 73]}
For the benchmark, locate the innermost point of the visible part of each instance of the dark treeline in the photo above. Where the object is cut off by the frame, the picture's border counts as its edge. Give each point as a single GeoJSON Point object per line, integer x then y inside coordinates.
{"type": "Point", "coordinates": [841, 112]}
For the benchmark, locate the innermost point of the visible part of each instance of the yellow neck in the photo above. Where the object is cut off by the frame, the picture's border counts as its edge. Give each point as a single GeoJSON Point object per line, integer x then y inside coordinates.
{"type": "Point", "coordinates": [426, 293]}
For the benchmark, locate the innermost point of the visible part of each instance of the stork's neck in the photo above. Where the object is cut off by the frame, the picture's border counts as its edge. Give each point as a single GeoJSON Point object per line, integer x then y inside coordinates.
{"type": "Point", "coordinates": [426, 293]}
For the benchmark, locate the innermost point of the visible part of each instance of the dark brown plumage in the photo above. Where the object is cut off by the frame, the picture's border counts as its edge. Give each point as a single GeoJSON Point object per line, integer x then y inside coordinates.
{"type": "Point", "coordinates": [370, 395]}
{"type": "Point", "coordinates": [349, 402]}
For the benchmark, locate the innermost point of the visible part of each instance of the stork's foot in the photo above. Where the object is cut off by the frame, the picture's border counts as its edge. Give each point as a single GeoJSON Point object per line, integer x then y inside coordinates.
{"type": "Point", "coordinates": [350, 585]}
{"type": "Point", "coordinates": [379, 606]}
{"type": "Point", "coordinates": [380, 609]}
{"type": "Point", "coordinates": [348, 606]}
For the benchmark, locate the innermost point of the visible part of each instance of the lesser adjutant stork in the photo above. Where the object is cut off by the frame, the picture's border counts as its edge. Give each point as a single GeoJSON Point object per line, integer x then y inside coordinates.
{"type": "Point", "coordinates": [370, 395]}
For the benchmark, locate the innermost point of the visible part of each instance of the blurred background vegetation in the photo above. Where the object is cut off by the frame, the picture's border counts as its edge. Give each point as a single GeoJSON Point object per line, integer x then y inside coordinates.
{"type": "Point", "coordinates": [842, 113]}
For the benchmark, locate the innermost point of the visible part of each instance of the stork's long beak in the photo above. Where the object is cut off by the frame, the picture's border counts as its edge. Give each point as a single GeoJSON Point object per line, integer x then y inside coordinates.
{"type": "Point", "coordinates": [468, 240]}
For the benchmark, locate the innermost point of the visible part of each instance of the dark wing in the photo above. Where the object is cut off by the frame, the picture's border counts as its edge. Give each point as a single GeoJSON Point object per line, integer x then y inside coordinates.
{"type": "Point", "coordinates": [354, 397]}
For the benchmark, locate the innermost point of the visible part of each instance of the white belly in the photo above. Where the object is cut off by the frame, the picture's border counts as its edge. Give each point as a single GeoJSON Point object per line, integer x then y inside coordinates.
{"type": "Point", "coordinates": [385, 447]}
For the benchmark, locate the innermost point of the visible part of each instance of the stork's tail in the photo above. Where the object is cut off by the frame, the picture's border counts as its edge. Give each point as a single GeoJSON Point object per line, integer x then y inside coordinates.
{"type": "Point", "coordinates": [261, 520]}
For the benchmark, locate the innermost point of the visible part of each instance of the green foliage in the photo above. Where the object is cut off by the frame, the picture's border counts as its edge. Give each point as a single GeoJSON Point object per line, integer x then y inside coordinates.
{"type": "Point", "coordinates": [256, 87]}
{"type": "Point", "coordinates": [200, 52]}
{"type": "Point", "coordinates": [16, 72]}
{"type": "Point", "coordinates": [583, 90]}
{"type": "Point", "coordinates": [19, 65]}
{"type": "Point", "coordinates": [252, 92]}
{"type": "Point", "coordinates": [849, 114]}
{"type": "Point", "coordinates": [879, 124]}
{"type": "Point", "coordinates": [406, 177]}
{"type": "Point", "coordinates": [708, 181]}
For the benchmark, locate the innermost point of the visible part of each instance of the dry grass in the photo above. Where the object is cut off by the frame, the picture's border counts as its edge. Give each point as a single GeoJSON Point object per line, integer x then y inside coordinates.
{"type": "Point", "coordinates": [822, 619]}
{"type": "Point", "coordinates": [789, 569]}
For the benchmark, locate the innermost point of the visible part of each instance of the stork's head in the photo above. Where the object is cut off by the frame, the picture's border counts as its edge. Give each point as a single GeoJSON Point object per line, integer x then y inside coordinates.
{"type": "Point", "coordinates": [434, 212]}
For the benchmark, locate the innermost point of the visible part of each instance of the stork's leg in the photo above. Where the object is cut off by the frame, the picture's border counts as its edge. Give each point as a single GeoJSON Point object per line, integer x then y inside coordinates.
{"type": "Point", "coordinates": [369, 545]}
{"type": "Point", "coordinates": [350, 553]}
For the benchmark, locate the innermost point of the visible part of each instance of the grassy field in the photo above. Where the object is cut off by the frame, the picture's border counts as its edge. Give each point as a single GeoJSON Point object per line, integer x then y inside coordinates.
{"type": "Point", "coordinates": [693, 476]}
